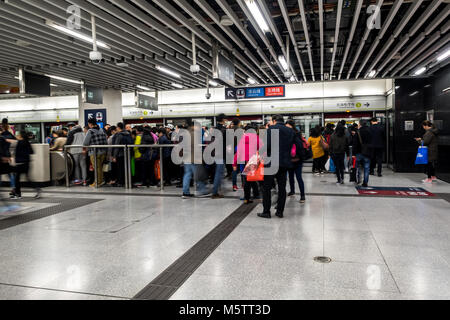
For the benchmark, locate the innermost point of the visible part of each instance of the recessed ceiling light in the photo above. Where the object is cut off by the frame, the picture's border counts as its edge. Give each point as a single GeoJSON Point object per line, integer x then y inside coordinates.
{"type": "Point", "coordinates": [63, 79]}
{"type": "Point", "coordinates": [213, 83]}
{"type": "Point", "coordinates": [251, 81]}
{"type": "Point", "coordinates": [414, 93]}
{"type": "Point", "coordinates": [177, 85]}
{"type": "Point", "coordinates": [372, 73]}
{"type": "Point", "coordinates": [256, 13]}
{"type": "Point", "coordinates": [420, 71]}
{"type": "Point", "coordinates": [169, 72]}
{"type": "Point", "coordinates": [75, 34]}
{"type": "Point", "coordinates": [22, 43]}
{"type": "Point", "coordinates": [226, 21]}
{"type": "Point", "coordinates": [143, 88]}
{"type": "Point", "coordinates": [283, 62]}
{"type": "Point", "coordinates": [443, 56]}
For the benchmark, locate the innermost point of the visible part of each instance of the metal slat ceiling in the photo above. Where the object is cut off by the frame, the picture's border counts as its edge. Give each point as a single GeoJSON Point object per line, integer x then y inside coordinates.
{"type": "Point", "coordinates": [324, 44]}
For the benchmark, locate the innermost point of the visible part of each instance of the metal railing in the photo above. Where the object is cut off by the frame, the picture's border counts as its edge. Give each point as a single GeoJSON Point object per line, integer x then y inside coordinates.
{"type": "Point", "coordinates": [127, 161]}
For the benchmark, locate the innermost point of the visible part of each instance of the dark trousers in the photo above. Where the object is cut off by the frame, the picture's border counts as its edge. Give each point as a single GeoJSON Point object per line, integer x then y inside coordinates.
{"type": "Point", "coordinates": [248, 187]}
{"type": "Point", "coordinates": [281, 178]}
{"type": "Point", "coordinates": [319, 164]}
{"type": "Point", "coordinates": [431, 169]}
{"type": "Point", "coordinates": [167, 170]}
{"type": "Point", "coordinates": [297, 173]}
{"type": "Point", "coordinates": [338, 159]}
{"type": "Point", "coordinates": [22, 168]}
{"type": "Point", "coordinates": [121, 170]}
{"type": "Point", "coordinates": [377, 159]}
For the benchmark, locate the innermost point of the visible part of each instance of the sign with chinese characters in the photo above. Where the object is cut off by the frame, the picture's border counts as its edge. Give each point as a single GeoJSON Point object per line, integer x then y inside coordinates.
{"type": "Point", "coordinates": [255, 92]}
{"type": "Point", "coordinates": [394, 191]}
{"type": "Point", "coordinates": [147, 102]}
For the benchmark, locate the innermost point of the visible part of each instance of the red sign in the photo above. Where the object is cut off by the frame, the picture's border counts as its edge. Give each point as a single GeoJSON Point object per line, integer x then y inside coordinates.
{"type": "Point", "coordinates": [395, 191]}
{"type": "Point", "coordinates": [275, 91]}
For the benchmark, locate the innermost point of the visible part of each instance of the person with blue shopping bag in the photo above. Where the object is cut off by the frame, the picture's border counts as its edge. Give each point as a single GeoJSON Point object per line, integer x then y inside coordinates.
{"type": "Point", "coordinates": [428, 151]}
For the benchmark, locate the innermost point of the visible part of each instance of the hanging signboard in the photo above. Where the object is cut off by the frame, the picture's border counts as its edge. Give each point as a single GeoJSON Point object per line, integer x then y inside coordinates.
{"type": "Point", "coordinates": [222, 68]}
{"type": "Point", "coordinates": [147, 102]}
{"type": "Point", "coordinates": [255, 92]}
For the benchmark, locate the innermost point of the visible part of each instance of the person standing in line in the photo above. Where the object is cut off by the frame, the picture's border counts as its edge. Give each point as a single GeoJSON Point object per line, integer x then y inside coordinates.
{"type": "Point", "coordinates": [9, 137]}
{"type": "Point", "coordinates": [220, 163]}
{"type": "Point", "coordinates": [363, 152]}
{"type": "Point", "coordinates": [77, 139]}
{"type": "Point", "coordinates": [60, 142]}
{"type": "Point", "coordinates": [23, 154]}
{"type": "Point", "coordinates": [338, 148]}
{"type": "Point", "coordinates": [96, 137]}
{"type": "Point", "coordinates": [286, 139]}
{"type": "Point", "coordinates": [236, 125]}
{"type": "Point", "coordinates": [297, 163]}
{"type": "Point", "coordinates": [165, 156]}
{"type": "Point", "coordinates": [122, 137]}
{"type": "Point", "coordinates": [430, 140]}
{"type": "Point", "coordinates": [248, 146]}
{"type": "Point", "coordinates": [192, 169]}
{"type": "Point", "coordinates": [317, 150]}
{"type": "Point", "coordinates": [378, 134]}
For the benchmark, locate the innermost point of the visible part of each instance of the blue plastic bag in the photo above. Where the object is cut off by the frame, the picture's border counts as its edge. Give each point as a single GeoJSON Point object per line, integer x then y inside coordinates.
{"type": "Point", "coordinates": [332, 167]}
{"type": "Point", "coordinates": [422, 155]}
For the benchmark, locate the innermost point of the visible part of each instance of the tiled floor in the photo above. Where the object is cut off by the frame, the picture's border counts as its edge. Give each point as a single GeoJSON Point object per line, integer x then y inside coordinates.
{"type": "Point", "coordinates": [381, 247]}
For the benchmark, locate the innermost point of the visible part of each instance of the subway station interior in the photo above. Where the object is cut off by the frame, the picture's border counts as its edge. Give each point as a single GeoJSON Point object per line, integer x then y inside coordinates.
{"type": "Point", "coordinates": [348, 101]}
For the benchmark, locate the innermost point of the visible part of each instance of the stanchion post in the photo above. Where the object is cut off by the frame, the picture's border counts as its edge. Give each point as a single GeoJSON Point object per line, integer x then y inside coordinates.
{"type": "Point", "coordinates": [161, 165]}
{"type": "Point", "coordinates": [130, 179]}
{"type": "Point", "coordinates": [125, 165]}
{"type": "Point", "coordinates": [95, 168]}
{"type": "Point", "coordinates": [66, 168]}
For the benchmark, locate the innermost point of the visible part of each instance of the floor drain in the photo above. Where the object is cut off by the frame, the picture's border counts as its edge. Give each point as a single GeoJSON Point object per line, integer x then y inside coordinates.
{"type": "Point", "coordinates": [322, 259]}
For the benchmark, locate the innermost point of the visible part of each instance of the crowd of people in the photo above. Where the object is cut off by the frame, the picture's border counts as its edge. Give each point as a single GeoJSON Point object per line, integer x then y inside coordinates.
{"type": "Point", "coordinates": [355, 148]}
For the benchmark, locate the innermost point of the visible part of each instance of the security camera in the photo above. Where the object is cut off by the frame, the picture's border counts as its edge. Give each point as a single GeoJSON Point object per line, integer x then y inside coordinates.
{"type": "Point", "coordinates": [195, 69]}
{"type": "Point", "coordinates": [208, 96]}
{"type": "Point", "coordinates": [95, 56]}
{"type": "Point", "coordinates": [350, 96]}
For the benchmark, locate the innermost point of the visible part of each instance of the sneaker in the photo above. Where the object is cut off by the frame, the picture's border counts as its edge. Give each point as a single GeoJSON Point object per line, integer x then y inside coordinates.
{"type": "Point", "coordinates": [434, 179]}
{"type": "Point", "coordinates": [77, 182]}
{"type": "Point", "coordinates": [217, 196]}
{"type": "Point", "coordinates": [364, 185]}
{"type": "Point", "coordinates": [427, 181]}
{"type": "Point", "coordinates": [235, 188]}
{"type": "Point", "coordinates": [204, 195]}
{"type": "Point", "coordinates": [290, 194]}
{"type": "Point", "coordinates": [37, 196]}
{"type": "Point", "coordinates": [15, 197]}
{"type": "Point", "coordinates": [342, 181]}
{"type": "Point", "coordinates": [92, 185]}
{"type": "Point", "coordinates": [187, 196]}
{"type": "Point", "coordinates": [248, 201]}
{"type": "Point", "coordinates": [380, 175]}
{"type": "Point", "coordinates": [85, 183]}
{"type": "Point", "coordinates": [302, 200]}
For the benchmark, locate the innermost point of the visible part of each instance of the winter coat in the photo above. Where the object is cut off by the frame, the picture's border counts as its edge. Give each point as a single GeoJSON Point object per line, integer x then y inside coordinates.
{"type": "Point", "coordinates": [430, 140]}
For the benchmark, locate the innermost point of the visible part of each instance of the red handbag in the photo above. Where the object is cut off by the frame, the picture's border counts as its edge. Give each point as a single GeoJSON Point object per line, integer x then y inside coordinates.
{"type": "Point", "coordinates": [258, 174]}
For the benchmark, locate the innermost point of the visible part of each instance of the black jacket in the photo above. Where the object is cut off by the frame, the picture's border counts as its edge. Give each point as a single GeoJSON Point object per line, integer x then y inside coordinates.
{"type": "Point", "coordinates": [378, 134]}
{"type": "Point", "coordinates": [121, 138]}
{"type": "Point", "coordinates": [23, 151]}
{"type": "Point", "coordinates": [430, 140]}
{"type": "Point", "coordinates": [285, 142]}
{"type": "Point", "coordinates": [71, 134]}
{"type": "Point", "coordinates": [366, 138]}
{"type": "Point", "coordinates": [222, 129]}
{"type": "Point", "coordinates": [166, 152]}
{"type": "Point", "coordinates": [338, 144]}
{"type": "Point", "coordinates": [4, 148]}
{"type": "Point", "coordinates": [147, 139]}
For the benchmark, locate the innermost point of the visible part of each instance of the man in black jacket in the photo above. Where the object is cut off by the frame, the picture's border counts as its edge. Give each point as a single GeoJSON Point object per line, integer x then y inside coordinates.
{"type": "Point", "coordinates": [122, 137]}
{"type": "Point", "coordinates": [286, 137]}
{"type": "Point", "coordinates": [378, 134]}
{"type": "Point", "coordinates": [363, 151]}
{"type": "Point", "coordinates": [73, 129]}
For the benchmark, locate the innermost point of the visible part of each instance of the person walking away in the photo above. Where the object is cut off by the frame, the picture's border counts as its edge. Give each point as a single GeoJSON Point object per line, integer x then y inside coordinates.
{"type": "Point", "coordinates": [297, 162]}
{"type": "Point", "coordinates": [338, 148]}
{"type": "Point", "coordinates": [430, 140]}
{"type": "Point", "coordinates": [317, 150]}
{"type": "Point", "coordinates": [96, 137]}
{"type": "Point", "coordinates": [148, 158]}
{"type": "Point", "coordinates": [165, 156]}
{"type": "Point", "coordinates": [23, 154]}
{"type": "Point", "coordinates": [248, 146]}
{"type": "Point", "coordinates": [191, 169]}
{"type": "Point", "coordinates": [363, 153]}
{"type": "Point", "coordinates": [220, 163]}
{"type": "Point", "coordinates": [378, 134]}
{"type": "Point", "coordinates": [122, 137]}
{"type": "Point", "coordinates": [79, 158]}
{"type": "Point", "coordinates": [285, 142]}
{"type": "Point", "coordinates": [60, 142]}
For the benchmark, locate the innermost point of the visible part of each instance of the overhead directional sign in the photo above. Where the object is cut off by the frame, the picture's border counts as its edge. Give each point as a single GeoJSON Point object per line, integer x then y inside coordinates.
{"type": "Point", "coordinates": [147, 102]}
{"type": "Point", "coordinates": [254, 92]}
